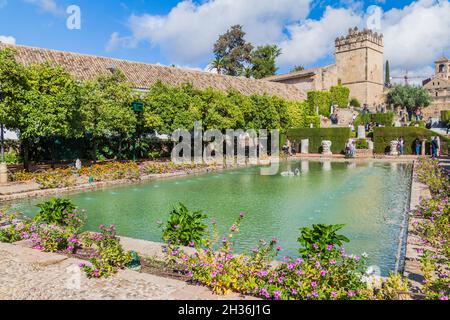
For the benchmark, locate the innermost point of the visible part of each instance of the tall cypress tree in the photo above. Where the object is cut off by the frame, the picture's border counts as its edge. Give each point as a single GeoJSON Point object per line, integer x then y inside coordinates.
{"type": "Point", "coordinates": [387, 81]}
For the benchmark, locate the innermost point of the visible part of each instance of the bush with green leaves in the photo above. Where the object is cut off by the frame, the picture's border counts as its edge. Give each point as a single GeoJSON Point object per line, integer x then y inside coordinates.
{"type": "Point", "coordinates": [362, 144]}
{"type": "Point", "coordinates": [184, 227]}
{"type": "Point", "coordinates": [355, 103]}
{"type": "Point", "coordinates": [321, 238]}
{"type": "Point", "coordinates": [55, 211]}
{"type": "Point", "coordinates": [110, 256]}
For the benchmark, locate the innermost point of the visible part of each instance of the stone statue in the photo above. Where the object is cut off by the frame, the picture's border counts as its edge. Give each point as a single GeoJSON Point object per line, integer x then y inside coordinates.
{"type": "Point", "coordinates": [394, 148]}
{"type": "Point", "coordinates": [326, 148]}
{"type": "Point", "coordinates": [78, 164]}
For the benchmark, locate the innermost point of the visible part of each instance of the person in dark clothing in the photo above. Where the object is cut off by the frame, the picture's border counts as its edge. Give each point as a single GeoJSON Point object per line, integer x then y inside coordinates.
{"type": "Point", "coordinates": [434, 147]}
{"type": "Point", "coordinates": [418, 146]}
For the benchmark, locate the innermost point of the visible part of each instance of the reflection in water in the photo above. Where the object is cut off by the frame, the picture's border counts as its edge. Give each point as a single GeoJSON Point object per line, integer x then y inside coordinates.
{"type": "Point", "coordinates": [370, 201]}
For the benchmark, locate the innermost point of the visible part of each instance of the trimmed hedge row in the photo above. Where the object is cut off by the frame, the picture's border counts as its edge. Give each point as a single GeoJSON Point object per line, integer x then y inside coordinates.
{"type": "Point", "coordinates": [338, 136]}
{"type": "Point", "coordinates": [383, 136]}
{"type": "Point", "coordinates": [385, 119]}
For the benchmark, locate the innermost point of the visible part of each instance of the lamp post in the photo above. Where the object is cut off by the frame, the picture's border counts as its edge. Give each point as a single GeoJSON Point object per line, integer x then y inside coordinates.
{"type": "Point", "coordinates": [138, 108]}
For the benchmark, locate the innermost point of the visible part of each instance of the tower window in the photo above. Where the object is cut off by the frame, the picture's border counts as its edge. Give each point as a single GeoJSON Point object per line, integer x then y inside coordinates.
{"type": "Point", "coordinates": [441, 68]}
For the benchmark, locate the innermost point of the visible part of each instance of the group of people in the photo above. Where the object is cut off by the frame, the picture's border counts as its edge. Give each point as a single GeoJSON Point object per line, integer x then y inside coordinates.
{"type": "Point", "coordinates": [289, 149]}
{"type": "Point", "coordinates": [434, 146]}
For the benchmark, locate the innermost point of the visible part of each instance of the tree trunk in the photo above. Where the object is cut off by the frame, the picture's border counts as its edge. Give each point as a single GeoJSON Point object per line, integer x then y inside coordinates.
{"type": "Point", "coordinates": [94, 149]}
{"type": "Point", "coordinates": [26, 154]}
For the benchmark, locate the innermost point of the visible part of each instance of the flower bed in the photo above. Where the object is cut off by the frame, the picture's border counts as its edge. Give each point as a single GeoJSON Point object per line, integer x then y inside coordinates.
{"type": "Point", "coordinates": [434, 230]}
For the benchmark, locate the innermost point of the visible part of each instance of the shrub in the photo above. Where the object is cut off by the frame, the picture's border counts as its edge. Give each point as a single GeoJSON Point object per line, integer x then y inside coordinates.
{"type": "Point", "coordinates": [362, 144]}
{"type": "Point", "coordinates": [185, 228]}
{"type": "Point", "coordinates": [58, 178]}
{"type": "Point", "coordinates": [111, 255]}
{"type": "Point", "coordinates": [113, 171]}
{"type": "Point", "coordinates": [384, 119]}
{"type": "Point", "coordinates": [445, 116]}
{"type": "Point", "coordinates": [338, 137]}
{"type": "Point", "coordinates": [355, 103]}
{"type": "Point", "coordinates": [340, 95]}
{"type": "Point", "coordinates": [22, 176]}
{"type": "Point", "coordinates": [420, 124]}
{"type": "Point", "coordinates": [11, 157]}
{"type": "Point", "coordinates": [321, 238]}
{"type": "Point", "coordinates": [55, 211]}
{"type": "Point", "coordinates": [313, 277]}
{"type": "Point", "coordinates": [383, 136]}
{"type": "Point", "coordinates": [321, 99]}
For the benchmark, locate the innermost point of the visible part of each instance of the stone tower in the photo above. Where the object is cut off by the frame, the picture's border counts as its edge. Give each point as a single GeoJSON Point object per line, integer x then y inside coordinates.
{"type": "Point", "coordinates": [359, 61]}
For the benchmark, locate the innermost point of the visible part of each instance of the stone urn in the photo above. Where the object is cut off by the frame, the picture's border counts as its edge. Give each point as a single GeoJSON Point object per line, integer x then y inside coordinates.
{"type": "Point", "coordinates": [394, 150]}
{"type": "Point", "coordinates": [3, 173]}
{"type": "Point", "coordinates": [326, 148]}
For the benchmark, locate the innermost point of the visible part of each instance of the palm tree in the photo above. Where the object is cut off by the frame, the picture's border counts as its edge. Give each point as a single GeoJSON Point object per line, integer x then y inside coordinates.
{"type": "Point", "coordinates": [217, 64]}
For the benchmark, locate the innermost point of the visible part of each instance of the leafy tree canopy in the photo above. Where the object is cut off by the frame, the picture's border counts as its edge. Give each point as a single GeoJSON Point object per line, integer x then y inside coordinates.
{"type": "Point", "coordinates": [411, 97]}
{"type": "Point", "coordinates": [264, 61]}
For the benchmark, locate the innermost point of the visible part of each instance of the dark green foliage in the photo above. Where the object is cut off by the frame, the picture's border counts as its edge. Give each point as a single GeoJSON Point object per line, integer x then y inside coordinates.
{"type": "Point", "coordinates": [263, 60]}
{"type": "Point", "coordinates": [355, 103]}
{"type": "Point", "coordinates": [445, 116]}
{"type": "Point", "coordinates": [340, 96]}
{"type": "Point", "coordinates": [320, 238]}
{"type": "Point", "coordinates": [184, 227]}
{"type": "Point", "coordinates": [410, 97]}
{"type": "Point", "coordinates": [387, 80]}
{"type": "Point", "coordinates": [338, 137]}
{"type": "Point", "coordinates": [55, 211]}
{"type": "Point", "coordinates": [362, 144]}
{"type": "Point", "coordinates": [234, 51]}
{"type": "Point", "coordinates": [321, 99]}
{"type": "Point", "coordinates": [383, 137]}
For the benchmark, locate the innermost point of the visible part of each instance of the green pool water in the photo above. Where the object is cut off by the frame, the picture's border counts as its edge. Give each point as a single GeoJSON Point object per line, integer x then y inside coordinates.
{"type": "Point", "coordinates": [370, 198]}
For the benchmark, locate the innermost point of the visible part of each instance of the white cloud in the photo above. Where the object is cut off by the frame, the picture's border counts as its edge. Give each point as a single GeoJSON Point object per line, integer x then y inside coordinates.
{"type": "Point", "coordinates": [314, 39]}
{"type": "Point", "coordinates": [48, 6]}
{"type": "Point", "coordinates": [417, 34]}
{"type": "Point", "coordinates": [7, 39]}
{"type": "Point", "coordinates": [414, 35]}
{"type": "Point", "coordinates": [187, 34]}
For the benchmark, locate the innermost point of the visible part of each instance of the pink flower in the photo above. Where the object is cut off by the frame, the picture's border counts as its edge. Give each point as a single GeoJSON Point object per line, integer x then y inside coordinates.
{"type": "Point", "coordinates": [333, 294]}
{"type": "Point", "coordinates": [323, 273]}
{"type": "Point", "coordinates": [233, 228]}
{"type": "Point", "coordinates": [333, 262]}
{"type": "Point", "coordinates": [277, 295]}
{"type": "Point", "coordinates": [280, 248]}
{"type": "Point", "coordinates": [313, 284]}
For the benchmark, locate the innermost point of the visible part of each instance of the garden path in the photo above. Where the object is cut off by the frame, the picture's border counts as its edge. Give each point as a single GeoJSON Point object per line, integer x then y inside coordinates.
{"type": "Point", "coordinates": [28, 274]}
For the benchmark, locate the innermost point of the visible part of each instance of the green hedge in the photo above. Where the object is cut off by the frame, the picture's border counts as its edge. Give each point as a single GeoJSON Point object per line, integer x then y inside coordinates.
{"type": "Point", "coordinates": [340, 96]}
{"type": "Point", "coordinates": [383, 136]}
{"type": "Point", "coordinates": [445, 116]}
{"type": "Point", "coordinates": [385, 119]}
{"type": "Point", "coordinates": [338, 136]}
{"type": "Point", "coordinates": [321, 99]}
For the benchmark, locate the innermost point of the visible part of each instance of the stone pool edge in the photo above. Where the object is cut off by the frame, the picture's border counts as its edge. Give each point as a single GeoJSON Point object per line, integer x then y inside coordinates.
{"type": "Point", "coordinates": [412, 265]}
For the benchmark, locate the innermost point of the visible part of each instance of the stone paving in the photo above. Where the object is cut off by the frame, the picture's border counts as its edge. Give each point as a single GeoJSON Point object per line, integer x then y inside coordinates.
{"type": "Point", "coordinates": [28, 274]}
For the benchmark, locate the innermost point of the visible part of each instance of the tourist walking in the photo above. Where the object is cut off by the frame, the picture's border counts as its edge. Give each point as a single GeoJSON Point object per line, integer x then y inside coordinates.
{"type": "Point", "coordinates": [401, 146]}
{"type": "Point", "coordinates": [434, 148]}
{"type": "Point", "coordinates": [418, 146]}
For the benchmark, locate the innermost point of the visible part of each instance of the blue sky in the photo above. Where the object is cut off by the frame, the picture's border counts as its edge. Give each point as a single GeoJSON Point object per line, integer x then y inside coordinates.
{"type": "Point", "coordinates": [157, 31]}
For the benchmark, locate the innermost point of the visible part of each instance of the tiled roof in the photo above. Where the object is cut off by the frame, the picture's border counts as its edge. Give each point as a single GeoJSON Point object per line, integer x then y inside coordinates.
{"type": "Point", "coordinates": [297, 74]}
{"type": "Point", "coordinates": [143, 76]}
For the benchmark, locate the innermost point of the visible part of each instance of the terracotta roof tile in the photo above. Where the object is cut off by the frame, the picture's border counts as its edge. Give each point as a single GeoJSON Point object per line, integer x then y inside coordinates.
{"type": "Point", "coordinates": [143, 76]}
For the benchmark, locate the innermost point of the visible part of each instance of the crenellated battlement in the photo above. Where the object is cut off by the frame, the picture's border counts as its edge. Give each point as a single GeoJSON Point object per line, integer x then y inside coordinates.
{"type": "Point", "coordinates": [356, 38]}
